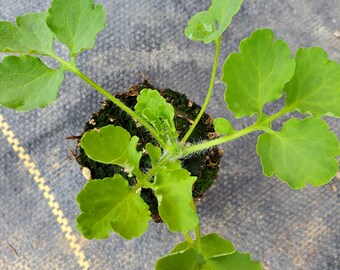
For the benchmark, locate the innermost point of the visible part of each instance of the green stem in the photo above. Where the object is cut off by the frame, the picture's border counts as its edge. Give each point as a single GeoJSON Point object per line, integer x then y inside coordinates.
{"type": "Point", "coordinates": [198, 238]}
{"type": "Point", "coordinates": [208, 144]}
{"type": "Point", "coordinates": [264, 125]}
{"type": "Point", "coordinates": [277, 115]}
{"type": "Point", "coordinates": [189, 240]}
{"type": "Point", "coordinates": [71, 67]}
{"type": "Point", "coordinates": [209, 94]}
{"type": "Point", "coordinates": [197, 230]}
{"type": "Point", "coordinates": [156, 168]}
{"type": "Point", "coordinates": [136, 187]}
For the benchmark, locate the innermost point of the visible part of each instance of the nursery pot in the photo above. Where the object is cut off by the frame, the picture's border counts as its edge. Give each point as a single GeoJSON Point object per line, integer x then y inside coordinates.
{"type": "Point", "coordinates": [204, 165]}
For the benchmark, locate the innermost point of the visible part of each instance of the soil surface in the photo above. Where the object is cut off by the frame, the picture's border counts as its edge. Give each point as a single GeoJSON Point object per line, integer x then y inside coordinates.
{"type": "Point", "coordinates": [203, 165]}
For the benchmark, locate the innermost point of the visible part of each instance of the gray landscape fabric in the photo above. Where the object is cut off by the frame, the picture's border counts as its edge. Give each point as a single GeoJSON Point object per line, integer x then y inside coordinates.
{"type": "Point", "coordinates": [283, 228]}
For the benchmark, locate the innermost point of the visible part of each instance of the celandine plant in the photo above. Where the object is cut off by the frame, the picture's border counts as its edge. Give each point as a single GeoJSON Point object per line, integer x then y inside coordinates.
{"type": "Point", "coordinates": [301, 151]}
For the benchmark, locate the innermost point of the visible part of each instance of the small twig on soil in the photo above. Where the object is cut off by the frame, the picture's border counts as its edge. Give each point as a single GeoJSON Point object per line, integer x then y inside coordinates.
{"type": "Point", "coordinates": [73, 154]}
{"type": "Point", "coordinates": [15, 251]}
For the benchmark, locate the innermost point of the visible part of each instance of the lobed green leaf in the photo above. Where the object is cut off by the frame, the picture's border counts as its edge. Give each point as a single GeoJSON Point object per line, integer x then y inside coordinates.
{"type": "Point", "coordinates": [173, 189]}
{"type": "Point", "coordinates": [202, 26]}
{"type": "Point", "coordinates": [216, 253]}
{"type": "Point", "coordinates": [31, 35]}
{"type": "Point", "coordinates": [76, 23]}
{"type": "Point", "coordinates": [315, 86]}
{"type": "Point", "coordinates": [26, 83]}
{"type": "Point", "coordinates": [211, 245]}
{"type": "Point", "coordinates": [234, 261]}
{"type": "Point", "coordinates": [109, 204]}
{"type": "Point", "coordinates": [112, 145]}
{"type": "Point", "coordinates": [302, 151]}
{"type": "Point", "coordinates": [257, 74]}
{"type": "Point", "coordinates": [153, 107]}
{"type": "Point", "coordinates": [189, 259]}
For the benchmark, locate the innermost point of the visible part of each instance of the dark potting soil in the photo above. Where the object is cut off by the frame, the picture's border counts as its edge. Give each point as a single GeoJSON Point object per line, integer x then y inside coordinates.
{"type": "Point", "coordinates": [203, 165]}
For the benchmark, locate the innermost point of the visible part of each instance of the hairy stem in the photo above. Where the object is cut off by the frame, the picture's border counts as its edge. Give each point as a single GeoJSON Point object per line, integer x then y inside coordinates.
{"type": "Point", "coordinates": [156, 168]}
{"type": "Point", "coordinates": [209, 94]}
{"type": "Point", "coordinates": [208, 144]}
{"type": "Point", "coordinates": [277, 115]}
{"type": "Point", "coordinates": [262, 125]}
{"type": "Point", "coordinates": [71, 67]}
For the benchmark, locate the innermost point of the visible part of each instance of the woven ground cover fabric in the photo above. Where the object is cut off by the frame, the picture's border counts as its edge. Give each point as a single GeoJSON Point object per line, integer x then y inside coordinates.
{"type": "Point", "coordinates": [283, 228]}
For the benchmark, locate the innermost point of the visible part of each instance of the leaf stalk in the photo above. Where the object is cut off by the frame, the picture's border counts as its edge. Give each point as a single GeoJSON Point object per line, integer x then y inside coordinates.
{"type": "Point", "coordinates": [197, 230]}
{"type": "Point", "coordinates": [263, 125]}
{"type": "Point", "coordinates": [72, 67]}
{"type": "Point", "coordinates": [209, 94]}
{"type": "Point", "coordinates": [190, 241]}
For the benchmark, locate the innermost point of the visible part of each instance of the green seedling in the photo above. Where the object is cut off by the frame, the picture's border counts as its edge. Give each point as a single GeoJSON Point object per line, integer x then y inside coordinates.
{"type": "Point", "coordinates": [303, 150]}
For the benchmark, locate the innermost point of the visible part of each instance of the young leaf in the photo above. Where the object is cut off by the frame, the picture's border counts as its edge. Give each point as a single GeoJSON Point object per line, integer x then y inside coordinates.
{"type": "Point", "coordinates": [301, 151]}
{"type": "Point", "coordinates": [223, 11]}
{"type": "Point", "coordinates": [223, 126]}
{"type": "Point", "coordinates": [152, 106]}
{"type": "Point", "coordinates": [315, 86]}
{"type": "Point", "coordinates": [173, 189]}
{"type": "Point", "coordinates": [202, 26]}
{"type": "Point", "coordinates": [112, 145]}
{"type": "Point", "coordinates": [212, 245]}
{"type": "Point", "coordinates": [189, 259]}
{"type": "Point", "coordinates": [154, 152]}
{"type": "Point", "coordinates": [26, 83]}
{"type": "Point", "coordinates": [30, 36]}
{"type": "Point", "coordinates": [257, 74]}
{"type": "Point", "coordinates": [234, 261]}
{"type": "Point", "coordinates": [76, 23]}
{"type": "Point", "coordinates": [109, 204]}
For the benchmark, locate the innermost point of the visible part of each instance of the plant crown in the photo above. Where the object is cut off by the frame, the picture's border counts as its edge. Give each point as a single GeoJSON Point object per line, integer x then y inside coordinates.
{"type": "Point", "coordinates": [303, 150]}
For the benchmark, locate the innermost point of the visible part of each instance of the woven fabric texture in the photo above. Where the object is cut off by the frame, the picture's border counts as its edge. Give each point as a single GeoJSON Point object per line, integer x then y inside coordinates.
{"type": "Point", "coordinates": [283, 228]}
